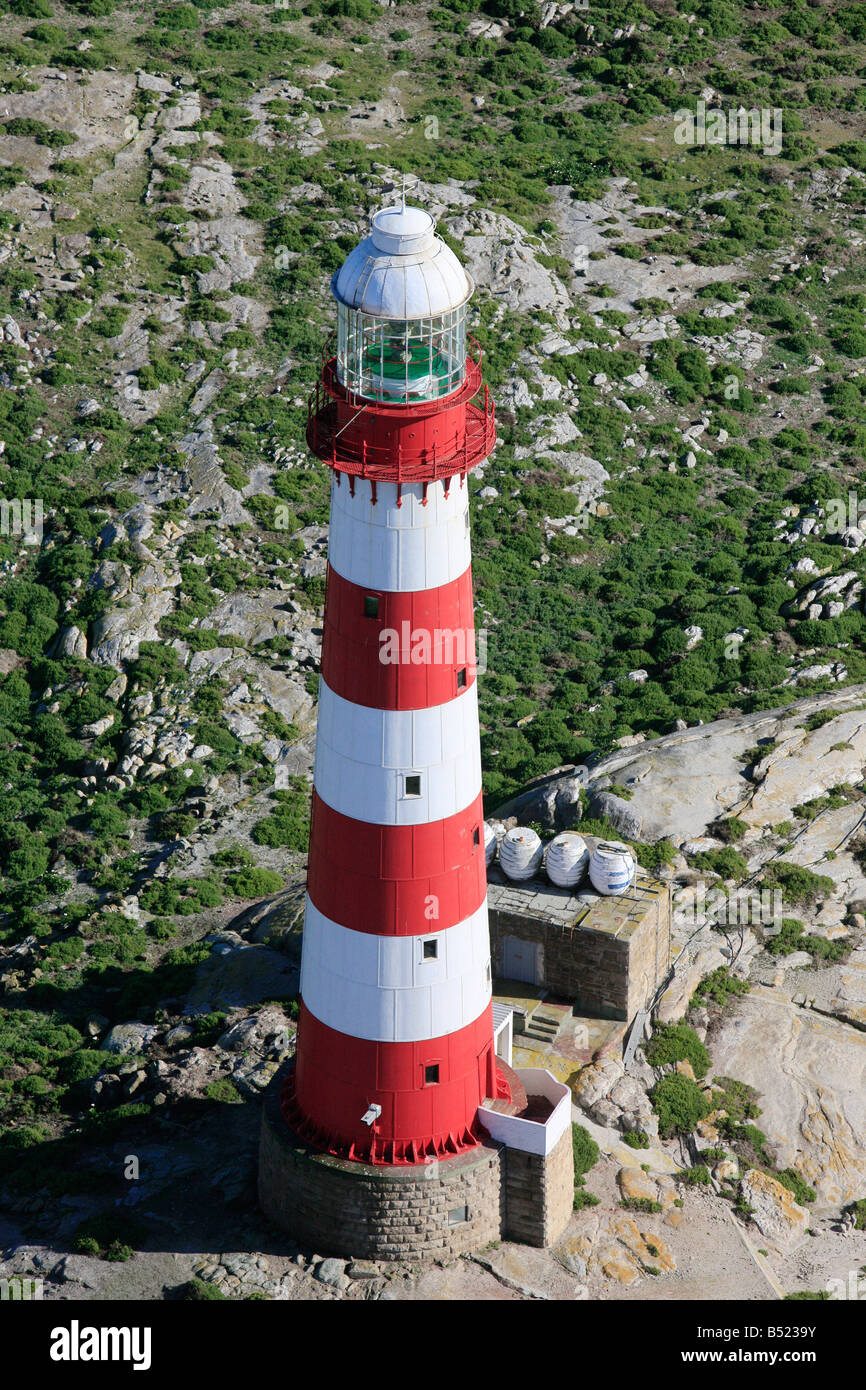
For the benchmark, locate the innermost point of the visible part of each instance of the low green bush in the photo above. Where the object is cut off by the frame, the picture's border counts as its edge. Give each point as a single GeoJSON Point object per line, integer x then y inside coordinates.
{"type": "Point", "coordinates": [736, 1098]}
{"type": "Point", "coordinates": [289, 824]}
{"type": "Point", "coordinates": [677, 1042]}
{"type": "Point", "coordinates": [728, 863]}
{"type": "Point", "coordinates": [859, 1210]}
{"type": "Point", "coordinates": [748, 1141]}
{"type": "Point", "coordinates": [699, 1175]}
{"type": "Point", "coordinates": [81, 1065]}
{"type": "Point", "coordinates": [679, 1103]}
{"type": "Point", "coordinates": [797, 883]}
{"type": "Point", "coordinates": [585, 1151]}
{"type": "Point", "coordinates": [225, 1091]}
{"type": "Point", "coordinates": [792, 936]}
{"type": "Point", "coordinates": [636, 1139]}
{"type": "Point", "coordinates": [233, 856]}
{"type": "Point", "coordinates": [254, 883]}
{"type": "Point", "coordinates": [583, 1199]}
{"type": "Point", "coordinates": [644, 1204]}
{"type": "Point", "coordinates": [796, 1183]}
{"type": "Point", "coordinates": [729, 830]}
{"type": "Point", "coordinates": [719, 987]}
{"type": "Point", "coordinates": [200, 1291]}
{"type": "Point", "coordinates": [109, 1236]}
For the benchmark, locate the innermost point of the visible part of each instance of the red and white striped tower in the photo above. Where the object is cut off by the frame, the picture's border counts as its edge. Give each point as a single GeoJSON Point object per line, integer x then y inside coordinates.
{"type": "Point", "coordinates": [395, 1047]}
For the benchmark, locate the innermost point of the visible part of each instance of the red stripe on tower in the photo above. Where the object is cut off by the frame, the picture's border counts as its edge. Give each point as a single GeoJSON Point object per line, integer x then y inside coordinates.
{"type": "Point", "coordinates": [395, 1037]}
{"type": "Point", "coordinates": [417, 649]}
{"type": "Point", "coordinates": [382, 878]}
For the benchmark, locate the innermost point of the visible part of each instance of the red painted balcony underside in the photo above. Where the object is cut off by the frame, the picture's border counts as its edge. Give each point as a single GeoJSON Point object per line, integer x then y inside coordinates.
{"type": "Point", "coordinates": [410, 442]}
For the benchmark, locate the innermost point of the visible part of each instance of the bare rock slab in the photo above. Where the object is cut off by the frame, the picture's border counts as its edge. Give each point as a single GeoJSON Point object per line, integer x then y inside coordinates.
{"type": "Point", "coordinates": [774, 1211]}
{"type": "Point", "coordinates": [810, 1071]}
{"type": "Point", "coordinates": [530, 1272]}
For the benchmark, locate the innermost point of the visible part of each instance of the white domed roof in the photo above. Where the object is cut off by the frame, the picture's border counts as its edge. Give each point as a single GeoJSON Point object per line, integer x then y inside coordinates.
{"type": "Point", "coordinates": [402, 270]}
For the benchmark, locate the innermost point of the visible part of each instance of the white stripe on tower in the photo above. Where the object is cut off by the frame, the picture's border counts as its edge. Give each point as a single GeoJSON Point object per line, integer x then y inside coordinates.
{"type": "Point", "coordinates": [386, 988]}
{"type": "Point", "coordinates": [428, 987]}
{"type": "Point", "coordinates": [399, 548]}
{"type": "Point", "coordinates": [366, 759]}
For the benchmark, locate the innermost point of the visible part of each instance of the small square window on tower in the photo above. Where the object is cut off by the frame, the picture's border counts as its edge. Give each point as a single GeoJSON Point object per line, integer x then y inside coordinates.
{"type": "Point", "coordinates": [413, 784]}
{"type": "Point", "coordinates": [458, 1215]}
{"type": "Point", "coordinates": [431, 1075]}
{"type": "Point", "coordinates": [461, 678]}
{"type": "Point", "coordinates": [476, 837]}
{"type": "Point", "coordinates": [430, 949]}
{"type": "Point", "coordinates": [371, 605]}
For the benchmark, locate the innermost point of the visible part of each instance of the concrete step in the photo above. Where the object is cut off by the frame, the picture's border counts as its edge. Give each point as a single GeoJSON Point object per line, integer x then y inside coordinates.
{"type": "Point", "coordinates": [544, 1023]}
{"type": "Point", "coordinates": [541, 1034]}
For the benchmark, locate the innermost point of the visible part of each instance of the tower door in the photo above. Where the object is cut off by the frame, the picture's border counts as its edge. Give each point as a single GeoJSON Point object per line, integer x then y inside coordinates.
{"type": "Point", "coordinates": [521, 960]}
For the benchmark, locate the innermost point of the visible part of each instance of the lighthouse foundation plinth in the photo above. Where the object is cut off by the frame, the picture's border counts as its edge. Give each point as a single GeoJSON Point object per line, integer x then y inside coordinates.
{"type": "Point", "coordinates": [432, 1211]}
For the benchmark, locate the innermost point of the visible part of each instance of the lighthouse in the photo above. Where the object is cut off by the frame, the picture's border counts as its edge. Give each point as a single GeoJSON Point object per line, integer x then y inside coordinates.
{"type": "Point", "coordinates": [376, 1139]}
{"type": "Point", "coordinates": [395, 1036]}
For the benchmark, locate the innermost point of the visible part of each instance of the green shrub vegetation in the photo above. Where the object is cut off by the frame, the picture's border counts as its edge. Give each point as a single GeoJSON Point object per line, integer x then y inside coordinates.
{"type": "Point", "coordinates": [796, 1183]}
{"type": "Point", "coordinates": [677, 1042]}
{"type": "Point", "coordinates": [110, 1236]}
{"type": "Point", "coordinates": [798, 884]}
{"type": "Point", "coordinates": [792, 936]}
{"type": "Point", "coordinates": [584, 1199]}
{"type": "Point", "coordinates": [679, 1103]}
{"type": "Point", "coordinates": [644, 1204]}
{"type": "Point", "coordinates": [289, 823]}
{"type": "Point", "coordinates": [727, 862]}
{"type": "Point", "coordinates": [585, 1151]}
{"type": "Point", "coordinates": [225, 1091]}
{"type": "Point", "coordinates": [859, 1210]}
{"type": "Point", "coordinates": [202, 1291]}
{"type": "Point", "coordinates": [697, 1176]}
{"type": "Point", "coordinates": [719, 987]}
{"type": "Point", "coordinates": [636, 1139]}
{"type": "Point", "coordinates": [254, 883]}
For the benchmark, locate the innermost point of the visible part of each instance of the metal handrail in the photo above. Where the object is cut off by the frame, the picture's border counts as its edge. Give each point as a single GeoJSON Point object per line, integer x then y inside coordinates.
{"type": "Point", "coordinates": [372, 462]}
{"type": "Point", "coordinates": [418, 470]}
{"type": "Point", "coordinates": [479, 439]}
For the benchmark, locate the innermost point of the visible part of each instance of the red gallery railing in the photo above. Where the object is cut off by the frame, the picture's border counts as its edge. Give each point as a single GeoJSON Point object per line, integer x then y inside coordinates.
{"type": "Point", "coordinates": [407, 441]}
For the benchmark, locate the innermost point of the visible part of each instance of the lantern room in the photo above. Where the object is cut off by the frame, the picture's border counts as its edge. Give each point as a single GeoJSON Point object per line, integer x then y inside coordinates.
{"type": "Point", "coordinates": [401, 312]}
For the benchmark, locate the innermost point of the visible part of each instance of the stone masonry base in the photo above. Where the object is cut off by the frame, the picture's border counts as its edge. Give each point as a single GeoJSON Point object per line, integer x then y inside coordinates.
{"type": "Point", "coordinates": [441, 1210]}
{"type": "Point", "coordinates": [539, 1193]}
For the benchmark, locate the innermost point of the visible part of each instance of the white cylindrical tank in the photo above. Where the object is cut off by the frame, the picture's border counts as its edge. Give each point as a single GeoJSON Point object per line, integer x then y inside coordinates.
{"type": "Point", "coordinates": [567, 859]}
{"type": "Point", "coordinates": [489, 843]}
{"type": "Point", "coordinates": [611, 867]}
{"type": "Point", "coordinates": [520, 853]}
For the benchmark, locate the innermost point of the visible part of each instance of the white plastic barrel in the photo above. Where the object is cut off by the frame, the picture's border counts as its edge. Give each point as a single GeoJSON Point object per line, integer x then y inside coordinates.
{"type": "Point", "coordinates": [520, 853]}
{"type": "Point", "coordinates": [489, 843]}
{"type": "Point", "coordinates": [611, 868]}
{"type": "Point", "coordinates": [567, 859]}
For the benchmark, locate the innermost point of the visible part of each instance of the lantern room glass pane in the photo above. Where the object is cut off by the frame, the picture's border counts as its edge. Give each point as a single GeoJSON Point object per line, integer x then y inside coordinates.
{"type": "Point", "coordinates": [398, 359]}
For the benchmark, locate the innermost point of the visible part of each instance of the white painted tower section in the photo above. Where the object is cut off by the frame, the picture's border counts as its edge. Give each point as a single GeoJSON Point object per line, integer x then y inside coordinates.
{"type": "Point", "coordinates": [384, 988]}
{"type": "Point", "coordinates": [400, 549]}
